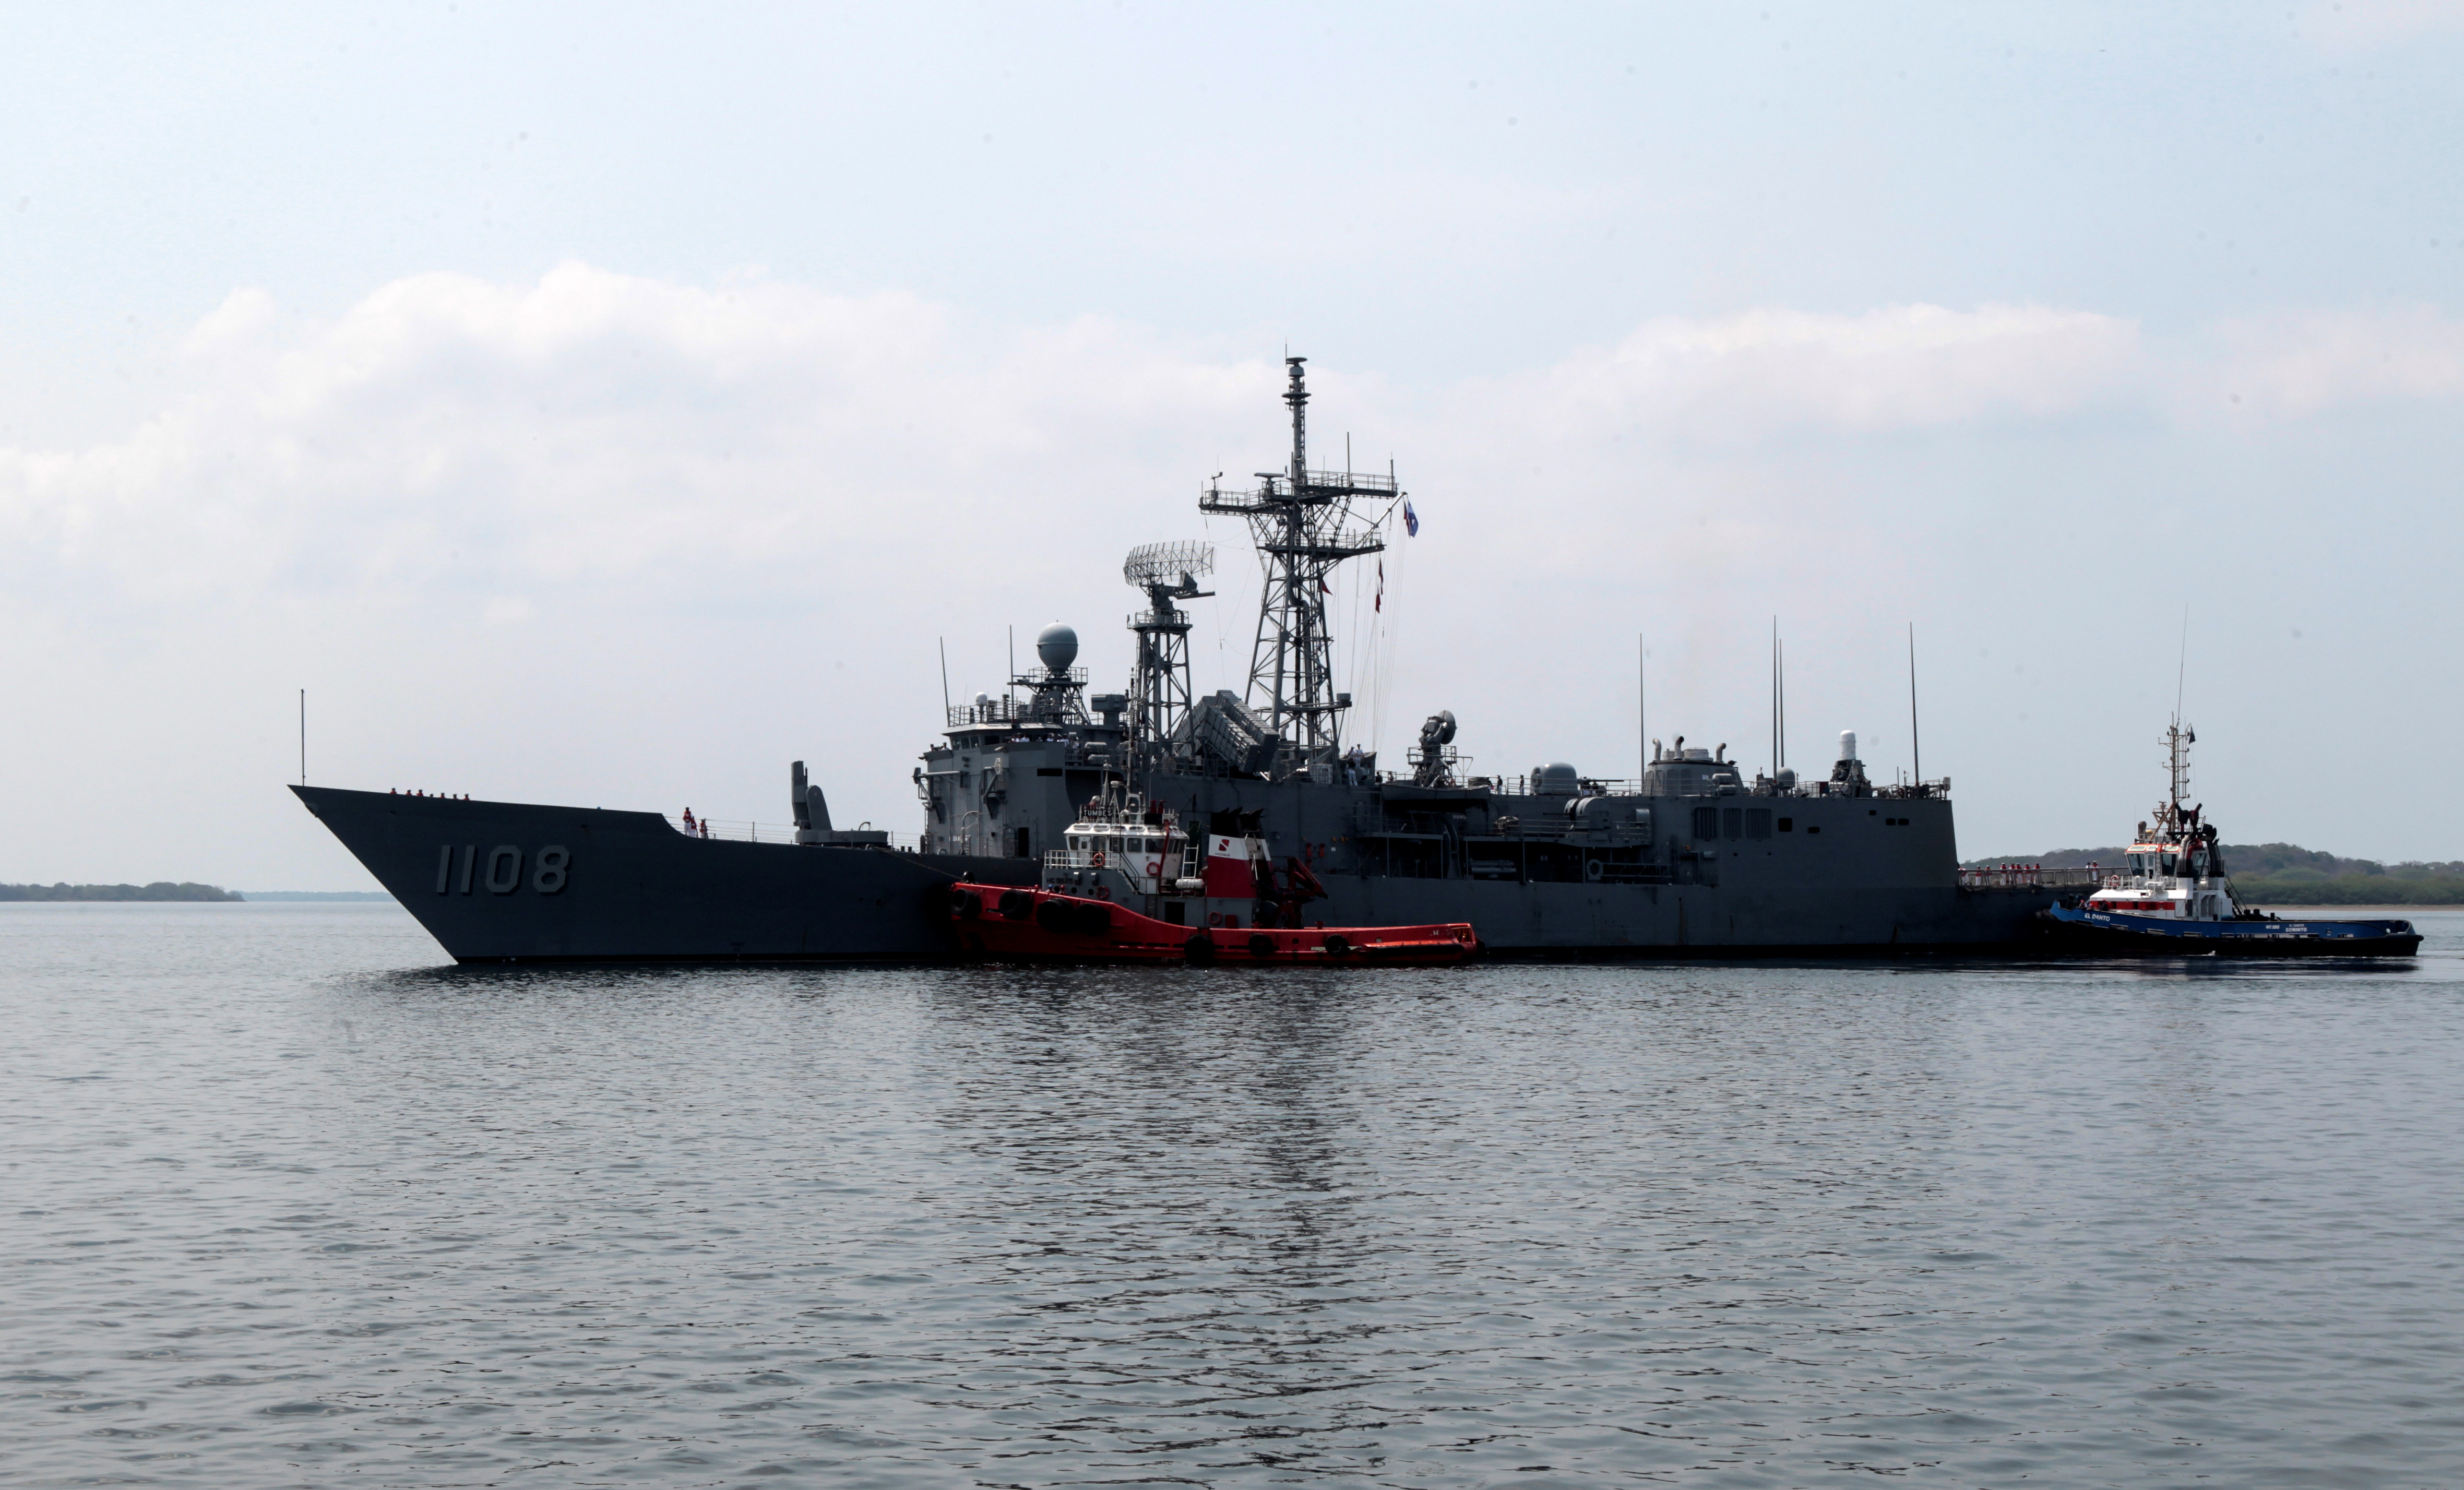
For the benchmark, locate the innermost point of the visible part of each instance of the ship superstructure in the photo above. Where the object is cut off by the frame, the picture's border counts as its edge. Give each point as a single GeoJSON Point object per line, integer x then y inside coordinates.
{"type": "Point", "coordinates": [1694, 855]}
{"type": "Point", "coordinates": [2173, 866]}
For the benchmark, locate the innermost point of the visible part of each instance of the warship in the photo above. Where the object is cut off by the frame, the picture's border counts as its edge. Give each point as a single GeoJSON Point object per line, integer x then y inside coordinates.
{"type": "Point", "coordinates": [1693, 859]}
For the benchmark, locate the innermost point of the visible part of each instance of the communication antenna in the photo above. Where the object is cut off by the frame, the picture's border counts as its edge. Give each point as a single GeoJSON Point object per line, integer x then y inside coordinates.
{"type": "Point", "coordinates": [2182, 669]}
{"type": "Point", "coordinates": [304, 736]}
{"type": "Point", "coordinates": [1916, 752]}
{"type": "Point", "coordinates": [1782, 647]}
{"type": "Point", "coordinates": [1642, 707]}
{"type": "Point", "coordinates": [945, 673]}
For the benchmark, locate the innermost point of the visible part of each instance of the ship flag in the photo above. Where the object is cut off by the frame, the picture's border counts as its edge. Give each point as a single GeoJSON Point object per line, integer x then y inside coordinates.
{"type": "Point", "coordinates": [1410, 520]}
{"type": "Point", "coordinates": [1381, 607]}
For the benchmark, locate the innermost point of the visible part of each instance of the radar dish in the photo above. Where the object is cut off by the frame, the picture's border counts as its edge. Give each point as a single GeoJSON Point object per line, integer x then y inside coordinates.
{"type": "Point", "coordinates": [1162, 564]}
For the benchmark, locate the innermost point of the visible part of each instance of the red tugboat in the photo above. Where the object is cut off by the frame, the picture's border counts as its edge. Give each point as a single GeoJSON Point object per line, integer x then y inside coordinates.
{"type": "Point", "coordinates": [1218, 898]}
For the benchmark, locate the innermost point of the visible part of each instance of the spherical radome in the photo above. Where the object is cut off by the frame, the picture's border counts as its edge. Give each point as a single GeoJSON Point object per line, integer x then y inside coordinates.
{"type": "Point", "coordinates": [1058, 646]}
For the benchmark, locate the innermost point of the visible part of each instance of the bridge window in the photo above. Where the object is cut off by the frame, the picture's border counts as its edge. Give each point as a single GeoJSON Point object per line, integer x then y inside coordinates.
{"type": "Point", "coordinates": [1788, 824]}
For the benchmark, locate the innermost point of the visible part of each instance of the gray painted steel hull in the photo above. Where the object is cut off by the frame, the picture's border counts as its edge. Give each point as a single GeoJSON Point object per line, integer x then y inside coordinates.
{"type": "Point", "coordinates": [1853, 875]}
{"type": "Point", "coordinates": [634, 890]}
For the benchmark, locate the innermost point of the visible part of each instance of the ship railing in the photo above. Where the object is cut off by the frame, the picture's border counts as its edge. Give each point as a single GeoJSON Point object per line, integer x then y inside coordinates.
{"type": "Point", "coordinates": [1363, 483]}
{"type": "Point", "coordinates": [1000, 710]}
{"type": "Point", "coordinates": [739, 831]}
{"type": "Point", "coordinates": [1346, 543]}
{"type": "Point", "coordinates": [2036, 876]}
{"type": "Point", "coordinates": [1068, 858]}
{"type": "Point", "coordinates": [1588, 786]}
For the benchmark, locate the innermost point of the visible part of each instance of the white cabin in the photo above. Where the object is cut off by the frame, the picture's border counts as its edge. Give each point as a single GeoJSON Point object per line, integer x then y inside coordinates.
{"type": "Point", "coordinates": [2168, 877]}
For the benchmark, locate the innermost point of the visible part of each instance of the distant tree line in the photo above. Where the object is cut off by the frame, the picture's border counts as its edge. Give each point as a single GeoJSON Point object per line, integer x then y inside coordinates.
{"type": "Point", "coordinates": [160, 889]}
{"type": "Point", "coordinates": [2291, 875]}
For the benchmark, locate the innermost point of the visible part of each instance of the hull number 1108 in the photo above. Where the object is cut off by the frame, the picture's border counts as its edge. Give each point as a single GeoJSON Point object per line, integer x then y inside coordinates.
{"type": "Point", "coordinates": [500, 872]}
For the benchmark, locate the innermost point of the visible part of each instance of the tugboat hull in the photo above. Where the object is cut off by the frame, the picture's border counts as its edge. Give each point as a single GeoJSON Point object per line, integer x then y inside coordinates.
{"type": "Point", "coordinates": [2110, 933]}
{"type": "Point", "coordinates": [1037, 926]}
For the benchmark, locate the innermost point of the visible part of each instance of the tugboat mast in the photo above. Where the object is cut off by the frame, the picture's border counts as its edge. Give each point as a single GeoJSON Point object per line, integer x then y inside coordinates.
{"type": "Point", "coordinates": [2178, 740]}
{"type": "Point", "coordinates": [1298, 517]}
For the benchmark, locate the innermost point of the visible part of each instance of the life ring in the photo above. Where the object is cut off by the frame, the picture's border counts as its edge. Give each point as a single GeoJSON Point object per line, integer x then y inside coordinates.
{"type": "Point", "coordinates": [1593, 869]}
{"type": "Point", "coordinates": [1097, 860]}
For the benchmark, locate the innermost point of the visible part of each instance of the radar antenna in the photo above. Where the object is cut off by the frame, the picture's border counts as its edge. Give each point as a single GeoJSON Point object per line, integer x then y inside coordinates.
{"type": "Point", "coordinates": [1300, 519]}
{"type": "Point", "coordinates": [1159, 682]}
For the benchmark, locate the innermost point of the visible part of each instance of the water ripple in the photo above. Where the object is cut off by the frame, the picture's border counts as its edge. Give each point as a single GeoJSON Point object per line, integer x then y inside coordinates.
{"type": "Point", "coordinates": [290, 1205]}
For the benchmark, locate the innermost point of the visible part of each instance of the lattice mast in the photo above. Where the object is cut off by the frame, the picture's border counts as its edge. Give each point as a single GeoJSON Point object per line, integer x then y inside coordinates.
{"type": "Point", "coordinates": [2179, 738]}
{"type": "Point", "coordinates": [1159, 680]}
{"type": "Point", "coordinates": [1298, 517]}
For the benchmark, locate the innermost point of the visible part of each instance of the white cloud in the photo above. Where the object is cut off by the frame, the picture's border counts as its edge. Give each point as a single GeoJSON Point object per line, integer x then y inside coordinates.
{"type": "Point", "coordinates": [448, 432]}
{"type": "Point", "coordinates": [2360, 24]}
{"type": "Point", "coordinates": [588, 425]}
{"type": "Point", "coordinates": [1775, 371]}
{"type": "Point", "coordinates": [2297, 364]}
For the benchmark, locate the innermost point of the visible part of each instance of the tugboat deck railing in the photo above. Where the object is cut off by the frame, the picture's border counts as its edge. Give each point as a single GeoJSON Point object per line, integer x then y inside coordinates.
{"type": "Point", "coordinates": [2034, 876]}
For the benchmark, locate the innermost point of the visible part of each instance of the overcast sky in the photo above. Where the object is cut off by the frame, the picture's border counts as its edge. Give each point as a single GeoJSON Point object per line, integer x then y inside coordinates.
{"type": "Point", "coordinates": [598, 406]}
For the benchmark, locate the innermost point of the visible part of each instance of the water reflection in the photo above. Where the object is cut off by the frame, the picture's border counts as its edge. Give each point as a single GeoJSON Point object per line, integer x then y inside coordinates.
{"type": "Point", "coordinates": [302, 1214]}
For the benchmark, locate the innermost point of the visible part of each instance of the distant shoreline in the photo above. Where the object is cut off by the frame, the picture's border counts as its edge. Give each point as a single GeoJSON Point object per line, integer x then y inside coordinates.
{"type": "Point", "coordinates": [186, 890]}
{"type": "Point", "coordinates": [165, 892]}
{"type": "Point", "coordinates": [315, 894]}
{"type": "Point", "coordinates": [2287, 905]}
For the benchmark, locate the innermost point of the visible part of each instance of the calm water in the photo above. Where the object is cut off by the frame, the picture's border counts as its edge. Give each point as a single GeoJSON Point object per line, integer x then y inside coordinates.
{"type": "Point", "coordinates": [287, 1204]}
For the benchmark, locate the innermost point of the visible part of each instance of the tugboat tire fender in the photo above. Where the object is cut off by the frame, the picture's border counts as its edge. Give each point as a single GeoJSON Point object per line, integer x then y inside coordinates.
{"type": "Point", "coordinates": [964, 904]}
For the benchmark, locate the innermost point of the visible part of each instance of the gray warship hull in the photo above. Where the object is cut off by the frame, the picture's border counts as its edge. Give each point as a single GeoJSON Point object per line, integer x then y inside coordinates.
{"type": "Point", "coordinates": [633, 889]}
{"type": "Point", "coordinates": [1855, 875]}
{"type": "Point", "coordinates": [513, 883]}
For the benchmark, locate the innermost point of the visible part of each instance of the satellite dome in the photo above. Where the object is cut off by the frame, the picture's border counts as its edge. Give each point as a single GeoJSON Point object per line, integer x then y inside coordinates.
{"type": "Point", "coordinates": [1058, 646]}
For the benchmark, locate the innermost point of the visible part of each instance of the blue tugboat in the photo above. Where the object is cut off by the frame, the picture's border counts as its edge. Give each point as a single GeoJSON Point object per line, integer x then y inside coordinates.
{"type": "Point", "coordinates": [2172, 898]}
